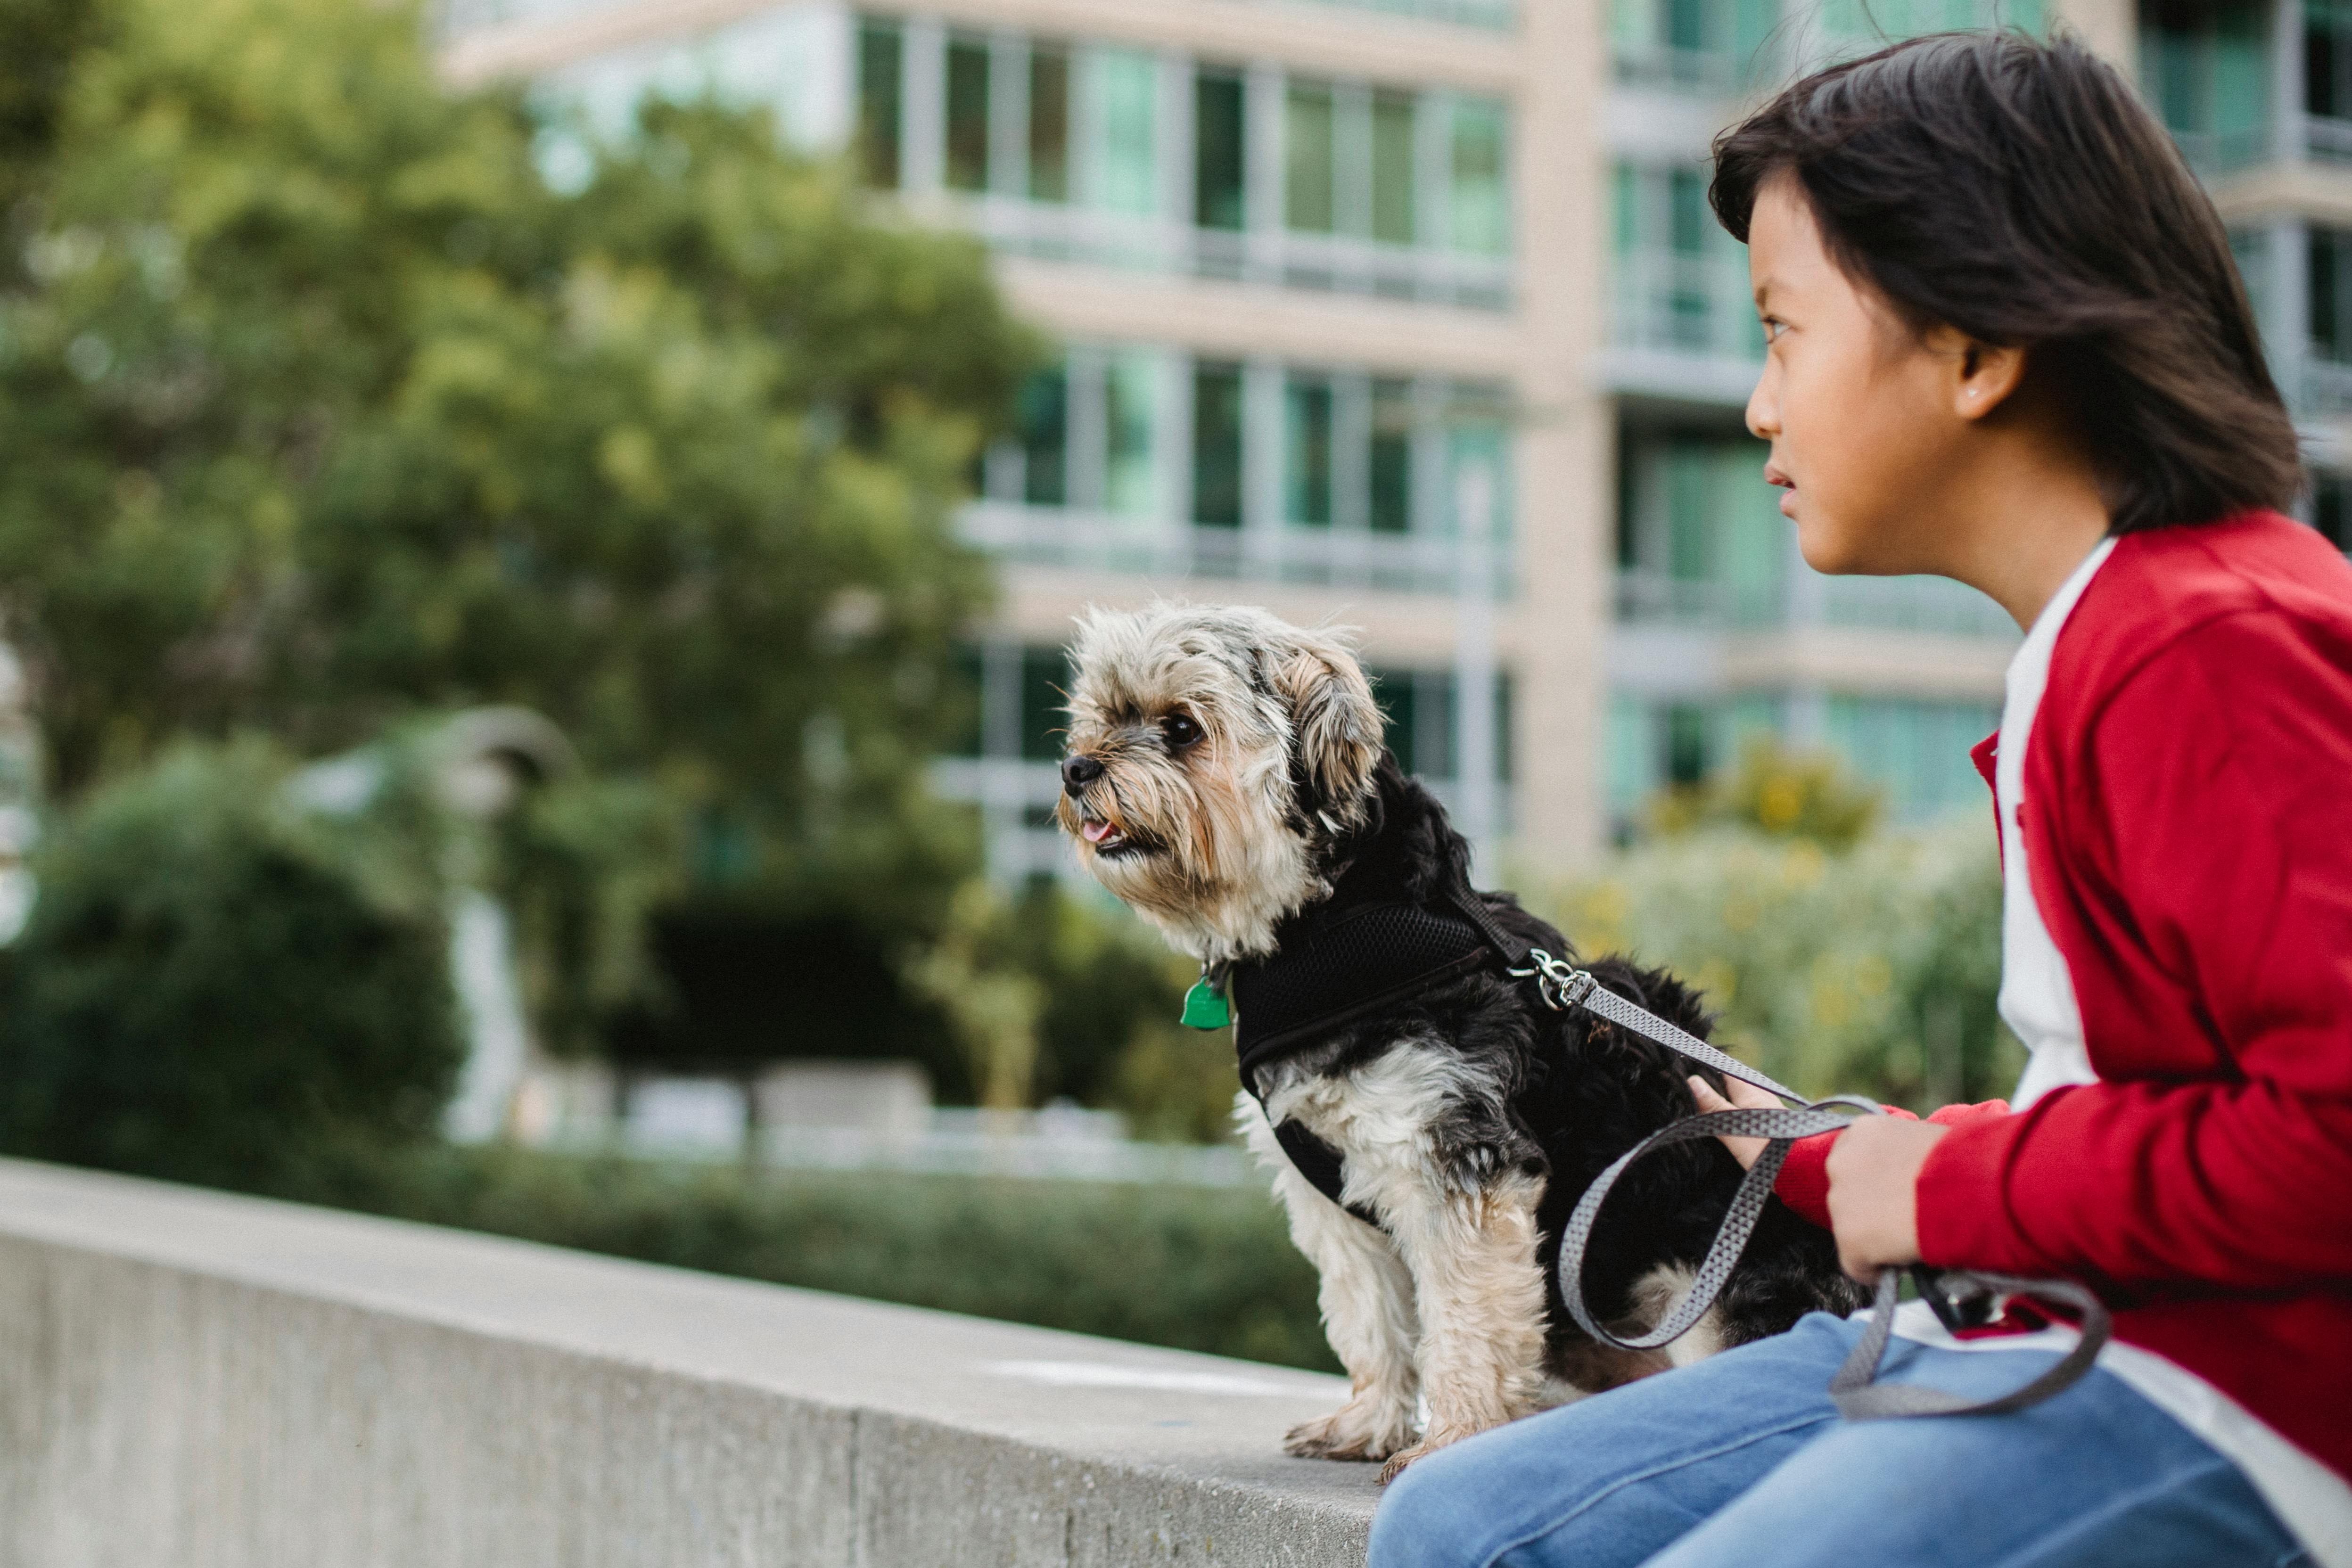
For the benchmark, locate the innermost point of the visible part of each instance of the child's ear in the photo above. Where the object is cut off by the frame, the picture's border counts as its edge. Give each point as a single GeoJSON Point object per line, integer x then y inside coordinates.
{"type": "Point", "coordinates": [1983, 374]}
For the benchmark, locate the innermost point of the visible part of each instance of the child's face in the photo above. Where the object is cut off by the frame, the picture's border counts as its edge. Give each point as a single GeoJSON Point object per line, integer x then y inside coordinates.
{"type": "Point", "coordinates": [1866, 437]}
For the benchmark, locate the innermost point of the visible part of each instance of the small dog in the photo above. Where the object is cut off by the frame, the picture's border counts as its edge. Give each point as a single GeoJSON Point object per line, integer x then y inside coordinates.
{"type": "Point", "coordinates": [1225, 777]}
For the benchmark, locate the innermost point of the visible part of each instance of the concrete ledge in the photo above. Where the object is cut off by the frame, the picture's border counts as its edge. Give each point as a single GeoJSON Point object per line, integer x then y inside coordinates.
{"type": "Point", "coordinates": [213, 1382]}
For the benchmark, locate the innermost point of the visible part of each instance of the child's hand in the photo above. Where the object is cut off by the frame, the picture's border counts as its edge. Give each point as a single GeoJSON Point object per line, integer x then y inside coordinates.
{"type": "Point", "coordinates": [1744, 1097]}
{"type": "Point", "coordinates": [1874, 1170]}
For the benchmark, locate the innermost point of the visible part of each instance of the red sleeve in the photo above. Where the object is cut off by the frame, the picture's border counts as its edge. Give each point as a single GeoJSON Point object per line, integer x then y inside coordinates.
{"type": "Point", "coordinates": [2219, 781]}
{"type": "Point", "coordinates": [1804, 1180]}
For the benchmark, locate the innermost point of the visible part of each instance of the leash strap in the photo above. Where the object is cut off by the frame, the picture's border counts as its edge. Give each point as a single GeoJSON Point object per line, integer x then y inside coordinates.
{"type": "Point", "coordinates": [1958, 1298]}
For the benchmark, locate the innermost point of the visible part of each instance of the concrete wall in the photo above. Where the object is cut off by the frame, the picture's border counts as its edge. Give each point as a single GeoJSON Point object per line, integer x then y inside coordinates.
{"type": "Point", "coordinates": [201, 1381]}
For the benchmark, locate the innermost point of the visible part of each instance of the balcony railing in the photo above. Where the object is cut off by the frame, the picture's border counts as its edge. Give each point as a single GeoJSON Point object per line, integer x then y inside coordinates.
{"type": "Point", "coordinates": [1337, 263]}
{"type": "Point", "coordinates": [1932, 604]}
{"type": "Point", "coordinates": [2318, 383]}
{"type": "Point", "coordinates": [1713, 73]}
{"type": "Point", "coordinates": [1344, 558]}
{"type": "Point", "coordinates": [1655, 598]}
{"type": "Point", "coordinates": [1499, 14]}
{"type": "Point", "coordinates": [1677, 302]}
{"type": "Point", "coordinates": [1929, 604]}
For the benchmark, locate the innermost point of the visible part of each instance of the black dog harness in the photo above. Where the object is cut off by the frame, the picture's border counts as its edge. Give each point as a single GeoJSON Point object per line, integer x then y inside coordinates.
{"type": "Point", "coordinates": [1338, 967]}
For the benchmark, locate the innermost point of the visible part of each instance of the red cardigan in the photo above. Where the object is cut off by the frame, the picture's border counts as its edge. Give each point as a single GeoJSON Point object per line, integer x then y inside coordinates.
{"type": "Point", "coordinates": [2188, 821]}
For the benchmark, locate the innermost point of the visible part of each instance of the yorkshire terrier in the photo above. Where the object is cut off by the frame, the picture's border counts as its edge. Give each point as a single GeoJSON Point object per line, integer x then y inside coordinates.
{"type": "Point", "coordinates": [1225, 777]}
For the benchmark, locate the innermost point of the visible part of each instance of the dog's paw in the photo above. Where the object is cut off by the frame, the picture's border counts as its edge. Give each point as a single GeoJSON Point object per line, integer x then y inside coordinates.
{"type": "Point", "coordinates": [1439, 1437]}
{"type": "Point", "coordinates": [1357, 1430]}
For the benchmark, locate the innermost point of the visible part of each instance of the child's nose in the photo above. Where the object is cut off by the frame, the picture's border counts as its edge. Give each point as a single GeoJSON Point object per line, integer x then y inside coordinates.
{"type": "Point", "coordinates": [1764, 405]}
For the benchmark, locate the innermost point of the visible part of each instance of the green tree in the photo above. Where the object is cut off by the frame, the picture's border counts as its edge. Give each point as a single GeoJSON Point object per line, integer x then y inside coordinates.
{"type": "Point", "coordinates": [323, 408]}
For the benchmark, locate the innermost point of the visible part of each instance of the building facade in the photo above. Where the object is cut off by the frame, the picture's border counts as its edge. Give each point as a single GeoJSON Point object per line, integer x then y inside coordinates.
{"type": "Point", "coordinates": [1410, 315]}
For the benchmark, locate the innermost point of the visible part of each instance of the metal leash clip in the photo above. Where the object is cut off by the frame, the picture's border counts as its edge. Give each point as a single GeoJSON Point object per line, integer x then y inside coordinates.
{"type": "Point", "coordinates": [1561, 985]}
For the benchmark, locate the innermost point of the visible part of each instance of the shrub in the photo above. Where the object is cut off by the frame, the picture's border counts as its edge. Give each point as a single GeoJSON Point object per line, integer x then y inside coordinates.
{"type": "Point", "coordinates": [1873, 971]}
{"type": "Point", "coordinates": [215, 988]}
{"type": "Point", "coordinates": [1778, 792]}
{"type": "Point", "coordinates": [1205, 1268]}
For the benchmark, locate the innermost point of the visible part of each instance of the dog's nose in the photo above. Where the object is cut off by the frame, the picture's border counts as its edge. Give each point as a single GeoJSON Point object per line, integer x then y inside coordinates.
{"type": "Point", "coordinates": [1078, 772]}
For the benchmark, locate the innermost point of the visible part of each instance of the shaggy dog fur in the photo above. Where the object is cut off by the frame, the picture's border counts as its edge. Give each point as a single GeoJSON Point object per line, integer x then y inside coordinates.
{"type": "Point", "coordinates": [1225, 776]}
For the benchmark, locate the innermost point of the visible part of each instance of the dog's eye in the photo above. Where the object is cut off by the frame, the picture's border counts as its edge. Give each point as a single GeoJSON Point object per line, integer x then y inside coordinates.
{"type": "Point", "coordinates": [1180, 730]}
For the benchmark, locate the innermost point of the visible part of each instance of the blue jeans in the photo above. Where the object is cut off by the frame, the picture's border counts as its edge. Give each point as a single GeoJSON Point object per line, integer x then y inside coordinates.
{"type": "Point", "coordinates": [1740, 1461]}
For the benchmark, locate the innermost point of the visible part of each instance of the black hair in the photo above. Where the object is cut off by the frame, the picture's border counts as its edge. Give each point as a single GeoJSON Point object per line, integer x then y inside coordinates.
{"type": "Point", "coordinates": [2020, 192]}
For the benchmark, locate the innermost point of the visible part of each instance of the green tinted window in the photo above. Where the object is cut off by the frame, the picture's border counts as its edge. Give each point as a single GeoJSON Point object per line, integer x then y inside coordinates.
{"type": "Point", "coordinates": [1307, 450]}
{"type": "Point", "coordinates": [1309, 196]}
{"type": "Point", "coordinates": [966, 167]}
{"type": "Point", "coordinates": [1049, 123]}
{"type": "Point", "coordinates": [1217, 445]}
{"type": "Point", "coordinates": [1045, 699]}
{"type": "Point", "coordinates": [1481, 205]}
{"type": "Point", "coordinates": [1917, 752]}
{"type": "Point", "coordinates": [1045, 420]}
{"type": "Point", "coordinates": [1126, 88]}
{"type": "Point", "coordinates": [1391, 457]}
{"type": "Point", "coordinates": [879, 53]}
{"type": "Point", "coordinates": [1130, 487]}
{"type": "Point", "coordinates": [1218, 162]}
{"type": "Point", "coordinates": [1392, 163]}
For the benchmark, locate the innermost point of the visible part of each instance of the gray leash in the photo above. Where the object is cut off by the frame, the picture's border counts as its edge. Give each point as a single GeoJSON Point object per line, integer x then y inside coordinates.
{"type": "Point", "coordinates": [1960, 1300]}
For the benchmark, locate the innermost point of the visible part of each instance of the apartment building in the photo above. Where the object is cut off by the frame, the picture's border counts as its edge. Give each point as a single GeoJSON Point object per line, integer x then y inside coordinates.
{"type": "Point", "coordinates": [1409, 314]}
{"type": "Point", "coordinates": [2259, 94]}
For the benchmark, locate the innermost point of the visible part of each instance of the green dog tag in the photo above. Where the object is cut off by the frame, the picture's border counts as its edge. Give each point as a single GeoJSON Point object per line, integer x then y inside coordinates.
{"type": "Point", "coordinates": [1205, 1007]}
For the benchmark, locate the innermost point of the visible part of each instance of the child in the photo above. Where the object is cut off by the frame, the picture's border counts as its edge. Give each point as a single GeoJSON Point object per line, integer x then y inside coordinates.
{"type": "Point", "coordinates": [2006, 344]}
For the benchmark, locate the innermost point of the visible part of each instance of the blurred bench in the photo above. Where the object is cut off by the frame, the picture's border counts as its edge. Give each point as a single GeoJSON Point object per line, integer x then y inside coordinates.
{"type": "Point", "coordinates": [216, 1382]}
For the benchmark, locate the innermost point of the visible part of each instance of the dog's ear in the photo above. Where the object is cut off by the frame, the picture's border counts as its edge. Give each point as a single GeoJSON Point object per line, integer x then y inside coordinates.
{"type": "Point", "coordinates": [1336, 727]}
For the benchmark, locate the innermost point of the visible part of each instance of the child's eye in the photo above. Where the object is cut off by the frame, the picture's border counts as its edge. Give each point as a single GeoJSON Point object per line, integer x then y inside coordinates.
{"type": "Point", "coordinates": [1773, 326]}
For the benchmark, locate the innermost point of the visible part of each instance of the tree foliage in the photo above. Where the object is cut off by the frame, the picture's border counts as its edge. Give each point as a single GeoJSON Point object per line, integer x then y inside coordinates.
{"type": "Point", "coordinates": [324, 407]}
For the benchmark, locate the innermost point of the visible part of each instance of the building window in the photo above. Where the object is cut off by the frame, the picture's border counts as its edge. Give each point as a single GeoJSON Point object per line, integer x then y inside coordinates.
{"type": "Point", "coordinates": [2330, 255]}
{"type": "Point", "coordinates": [1044, 415]}
{"type": "Point", "coordinates": [1126, 95]}
{"type": "Point", "coordinates": [1334, 475]}
{"type": "Point", "coordinates": [2328, 76]}
{"type": "Point", "coordinates": [965, 167]}
{"type": "Point", "coordinates": [1217, 445]}
{"type": "Point", "coordinates": [1477, 462]}
{"type": "Point", "coordinates": [1307, 444]}
{"type": "Point", "coordinates": [1049, 123]}
{"type": "Point", "coordinates": [1361, 171]}
{"type": "Point", "coordinates": [1310, 190]}
{"type": "Point", "coordinates": [1916, 752]}
{"type": "Point", "coordinates": [1682, 282]}
{"type": "Point", "coordinates": [1045, 703]}
{"type": "Point", "coordinates": [1702, 538]}
{"type": "Point", "coordinates": [2331, 509]}
{"type": "Point", "coordinates": [880, 65]}
{"type": "Point", "coordinates": [1218, 147]}
{"type": "Point", "coordinates": [1131, 479]}
{"type": "Point", "coordinates": [1393, 220]}
{"type": "Point", "coordinates": [1390, 501]}
{"type": "Point", "coordinates": [2206, 68]}
{"type": "Point", "coordinates": [1701, 45]}
{"type": "Point", "coordinates": [1480, 199]}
